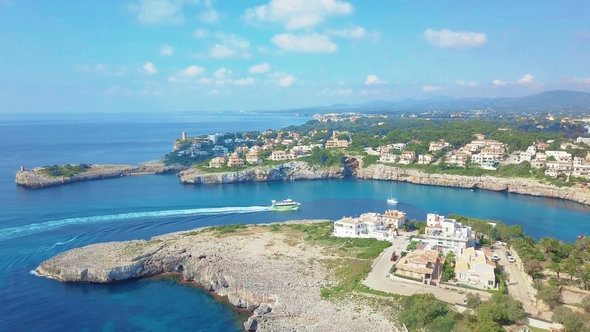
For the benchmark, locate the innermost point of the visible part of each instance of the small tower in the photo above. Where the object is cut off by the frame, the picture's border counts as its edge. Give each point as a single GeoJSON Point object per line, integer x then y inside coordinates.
{"type": "Point", "coordinates": [184, 135]}
{"type": "Point", "coordinates": [22, 168]}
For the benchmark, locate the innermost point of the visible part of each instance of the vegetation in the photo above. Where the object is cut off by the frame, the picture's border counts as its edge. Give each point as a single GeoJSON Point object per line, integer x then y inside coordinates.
{"type": "Point", "coordinates": [325, 157]}
{"type": "Point", "coordinates": [67, 170]}
{"type": "Point", "coordinates": [448, 267]}
{"type": "Point", "coordinates": [572, 321]}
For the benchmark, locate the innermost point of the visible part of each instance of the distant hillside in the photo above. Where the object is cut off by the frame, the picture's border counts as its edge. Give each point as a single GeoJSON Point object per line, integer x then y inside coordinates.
{"type": "Point", "coordinates": [547, 99]}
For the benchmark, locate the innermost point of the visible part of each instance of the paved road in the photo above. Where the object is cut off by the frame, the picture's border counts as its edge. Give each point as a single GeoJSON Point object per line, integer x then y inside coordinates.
{"type": "Point", "coordinates": [378, 278]}
{"type": "Point", "coordinates": [517, 287]}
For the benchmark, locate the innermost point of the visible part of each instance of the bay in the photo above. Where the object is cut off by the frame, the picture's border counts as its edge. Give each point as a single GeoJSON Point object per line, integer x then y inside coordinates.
{"type": "Point", "coordinates": [38, 224]}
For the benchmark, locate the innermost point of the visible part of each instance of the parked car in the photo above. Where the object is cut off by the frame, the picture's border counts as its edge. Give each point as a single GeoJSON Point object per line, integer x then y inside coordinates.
{"type": "Point", "coordinates": [393, 257]}
{"type": "Point", "coordinates": [495, 258]}
{"type": "Point", "coordinates": [510, 257]}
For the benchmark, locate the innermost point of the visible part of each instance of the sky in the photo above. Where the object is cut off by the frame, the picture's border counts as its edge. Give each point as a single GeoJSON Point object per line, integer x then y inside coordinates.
{"type": "Point", "coordinates": [192, 55]}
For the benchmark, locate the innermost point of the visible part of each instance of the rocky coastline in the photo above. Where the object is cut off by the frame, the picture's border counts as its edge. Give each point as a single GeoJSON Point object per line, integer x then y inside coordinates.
{"type": "Point", "coordinates": [275, 275]}
{"type": "Point", "coordinates": [513, 185]}
{"type": "Point", "coordinates": [297, 170]}
{"type": "Point", "coordinates": [36, 178]}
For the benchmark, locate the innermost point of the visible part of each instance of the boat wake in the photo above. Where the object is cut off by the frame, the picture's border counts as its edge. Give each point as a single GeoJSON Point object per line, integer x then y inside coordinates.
{"type": "Point", "coordinates": [14, 232]}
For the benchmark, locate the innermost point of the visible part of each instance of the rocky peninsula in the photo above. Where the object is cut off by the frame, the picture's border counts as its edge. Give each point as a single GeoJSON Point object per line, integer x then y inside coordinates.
{"type": "Point", "coordinates": [37, 178]}
{"type": "Point", "coordinates": [274, 271]}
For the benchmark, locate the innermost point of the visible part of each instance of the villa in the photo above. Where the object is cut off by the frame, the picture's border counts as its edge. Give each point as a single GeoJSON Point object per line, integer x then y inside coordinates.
{"type": "Point", "coordinates": [444, 234]}
{"type": "Point", "coordinates": [368, 225]}
{"type": "Point", "coordinates": [475, 267]}
{"type": "Point", "coordinates": [425, 265]}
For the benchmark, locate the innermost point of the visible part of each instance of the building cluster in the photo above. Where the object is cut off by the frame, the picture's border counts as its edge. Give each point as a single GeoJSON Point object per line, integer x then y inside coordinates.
{"type": "Point", "coordinates": [371, 225]}
{"type": "Point", "coordinates": [442, 236]}
{"type": "Point", "coordinates": [557, 162]}
{"type": "Point", "coordinates": [236, 152]}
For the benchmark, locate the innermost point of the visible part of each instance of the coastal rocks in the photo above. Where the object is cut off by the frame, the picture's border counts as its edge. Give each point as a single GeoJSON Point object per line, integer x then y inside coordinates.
{"type": "Point", "coordinates": [295, 170]}
{"type": "Point", "coordinates": [513, 185]}
{"type": "Point", "coordinates": [278, 282]}
{"type": "Point", "coordinates": [36, 178]}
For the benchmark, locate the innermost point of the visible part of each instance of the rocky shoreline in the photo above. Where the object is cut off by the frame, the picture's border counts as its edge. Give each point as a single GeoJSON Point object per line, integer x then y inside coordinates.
{"type": "Point", "coordinates": [35, 178]}
{"type": "Point", "coordinates": [297, 170]}
{"type": "Point", "coordinates": [275, 275]}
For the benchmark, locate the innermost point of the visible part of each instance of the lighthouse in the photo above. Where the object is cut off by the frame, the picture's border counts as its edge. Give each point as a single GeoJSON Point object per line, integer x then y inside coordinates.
{"type": "Point", "coordinates": [184, 135]}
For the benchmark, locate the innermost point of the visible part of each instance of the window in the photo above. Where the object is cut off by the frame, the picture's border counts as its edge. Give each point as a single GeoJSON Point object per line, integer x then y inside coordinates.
{"type": "Point", "coordinates": [490, 282]}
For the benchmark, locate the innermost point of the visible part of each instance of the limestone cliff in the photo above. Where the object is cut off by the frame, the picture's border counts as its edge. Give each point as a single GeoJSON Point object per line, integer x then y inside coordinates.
{"type": "Point", "coordinates": [36, 178]}
{"type": "Point", "coordinates": [513, 185]}
{"type": "Point", "coordinates": [295, 170]}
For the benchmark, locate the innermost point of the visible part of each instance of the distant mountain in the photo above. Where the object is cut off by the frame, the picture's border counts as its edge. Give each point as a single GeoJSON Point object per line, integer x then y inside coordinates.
{"type": "Point", "coordinates": [547, 99]}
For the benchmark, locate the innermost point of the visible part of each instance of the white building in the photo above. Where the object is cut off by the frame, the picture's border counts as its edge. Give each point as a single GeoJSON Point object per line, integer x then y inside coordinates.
{"type": "Point", "coordinates": [398, 146]}
{"type": "Point", "coordinates": [585, 140]}
{"type": "Point", "coordinates": [525, 156]}
{"type": "Point", "coordinates": [387, 157]}
{"type": "Point", "coordinates": [444, 234]}
{"type": "Point", "coordinates": [476, 268]}
{"type": "Point", "coordinates": [368, 225]}
{"type": "Point", "coordinates": [559, 155]}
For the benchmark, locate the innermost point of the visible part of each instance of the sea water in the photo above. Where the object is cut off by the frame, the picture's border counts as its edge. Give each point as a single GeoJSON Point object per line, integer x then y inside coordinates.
{"type": "Point", "coordinates": [36, 224]}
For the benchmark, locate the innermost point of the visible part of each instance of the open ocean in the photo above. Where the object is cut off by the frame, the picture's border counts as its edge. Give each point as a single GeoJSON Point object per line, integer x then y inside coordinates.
{"type": "Point", "coordinates": [38, 224]}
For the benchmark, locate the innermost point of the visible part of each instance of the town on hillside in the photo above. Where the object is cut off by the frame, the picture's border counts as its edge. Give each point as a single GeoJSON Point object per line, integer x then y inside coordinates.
{"type": "Point", "coordinates": [546, 147]}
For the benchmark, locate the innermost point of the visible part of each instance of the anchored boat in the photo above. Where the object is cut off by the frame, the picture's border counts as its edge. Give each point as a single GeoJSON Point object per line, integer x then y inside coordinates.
{"type": "Point", "coordinates": [285, 205]}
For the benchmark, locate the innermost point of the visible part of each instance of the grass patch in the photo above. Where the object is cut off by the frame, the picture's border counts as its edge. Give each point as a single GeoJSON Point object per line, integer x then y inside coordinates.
{"type": "Point", "coordinates": [219, 229]}
{"type": "Point", "coordinates": [67, 170]}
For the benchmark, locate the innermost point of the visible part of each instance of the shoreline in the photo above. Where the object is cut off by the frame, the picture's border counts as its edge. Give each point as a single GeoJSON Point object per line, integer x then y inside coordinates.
{"type": "Point", "coordinates": [275, 277]}
{"type": "Point", "coordinates": [293, 171]}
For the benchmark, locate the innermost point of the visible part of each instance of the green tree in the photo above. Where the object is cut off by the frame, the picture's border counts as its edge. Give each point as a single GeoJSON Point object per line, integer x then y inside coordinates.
{"type": "Point", "coordinates": [489, 326]}
{"type": "Point", "coordinates": [555, 267]}
{"type": "Point", "coordinates": [421, 310]}
{"type": "Point", "coordinates": [584, 276]}
{"type": "Point", "coordinates": [549, 244]}
{"type": "Point", "coordinates": [550, 295]}
{"type": "Point", "coordinates": [502, 309]}
{"type": "Point", "coordinates": [532, 266]}
{"type": "Point", "coordinates": [573, 322]}
{"type": "Point", "coordinates": [473, 300]}
{"type": "Point", "coordinates": [570, 266]}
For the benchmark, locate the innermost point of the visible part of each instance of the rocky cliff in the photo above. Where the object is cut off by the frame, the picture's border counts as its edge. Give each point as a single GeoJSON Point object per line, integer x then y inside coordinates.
{"type": "Point", "coordinates": [514, 185]}
{"type": "Point", "coordinates": [274, 274]}
{"type": "Point", "coordinates": [36, 178]}
{"type": "Point", "coordinates": [295, 170]}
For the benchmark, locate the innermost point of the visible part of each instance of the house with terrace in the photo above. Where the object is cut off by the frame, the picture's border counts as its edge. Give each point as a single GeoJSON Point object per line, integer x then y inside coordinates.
{"type": "Point", "coordinates": [475, 267]}
{"type": "Point", "coordinates": [368, 225]}
{"type": "Point", "coordinates": [445, 235]}
{"type": "Point", "coordinates": [424, 265]}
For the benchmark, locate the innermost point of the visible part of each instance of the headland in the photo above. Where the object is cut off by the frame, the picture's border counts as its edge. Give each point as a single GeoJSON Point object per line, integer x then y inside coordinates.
{"type": "Point", "coordinates": [288, 275]}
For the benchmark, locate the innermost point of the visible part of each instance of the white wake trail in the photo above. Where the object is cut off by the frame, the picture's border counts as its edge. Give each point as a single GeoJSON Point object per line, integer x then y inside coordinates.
{"type": "Point", "coordinates": [14, 232]}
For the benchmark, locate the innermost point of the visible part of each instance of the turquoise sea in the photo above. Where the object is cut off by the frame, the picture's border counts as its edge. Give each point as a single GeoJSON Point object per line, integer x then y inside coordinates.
{"type": "Point", "coordinates": [38, 224]}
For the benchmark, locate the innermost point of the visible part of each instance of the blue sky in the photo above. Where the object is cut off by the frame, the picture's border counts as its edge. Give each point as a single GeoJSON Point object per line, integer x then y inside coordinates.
{"type": "Point", "coordinates": [189, 55]}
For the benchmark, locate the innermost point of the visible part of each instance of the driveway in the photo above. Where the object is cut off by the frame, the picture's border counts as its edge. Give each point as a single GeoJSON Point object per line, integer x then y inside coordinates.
{"type": "Point", "coordinates": [378, 278]}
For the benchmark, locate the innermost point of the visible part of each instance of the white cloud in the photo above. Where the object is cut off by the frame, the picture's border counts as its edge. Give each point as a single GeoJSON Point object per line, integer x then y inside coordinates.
{"type": "Point", "coordinates": [166, 50]}
{"type": "Point", "coordinates": [158, 11]}
{"type": "Point", "coordinates": [327, 92]}
{"type": "Point", "coordinates": [314, 43]}
{"type": "Point", "coordinates": [526, 79]}
{"type": "Point", "coordinates": [209, 15]}
{"type": "Point", "coordinates": [354, 32]}
{"type": "Point", "coordinates": [214, 91]}
{"type": "Point", "coordinates": [577, 81]}
{"type": "Point", "coordinates": [286, 81]}
{"type": "Point", "coordinates": [431, 88]}
{"type": "Point", "coordinates": [463, 83]}
{"type": "Point", "coordinates": [102, 69]}
{"type": "Point", "coordinates": [193, 71]}
{"type": "Point", "coordinates": [222, 73]}
{"type": "Point", "coordinates": [458, 39]}
{"type": "Point", "coordinates": [243, 81]}
{"type": "Point", "coordinates": [369, 92]}
{"type": "Point", "coordinates": [201, 33]}
{"type": "Point", "coordinates": [373, 79]}
{"type": "Point", "coordinates": [500, 83]}
{"type": "Point", "coordinates": [230, 46]}
{"type": "Point", "coordinates": [149, 68]}
{"type": "Point", "coordinates": [259, 69]}
{"type": "Point", "coordinates": [298, 14]}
